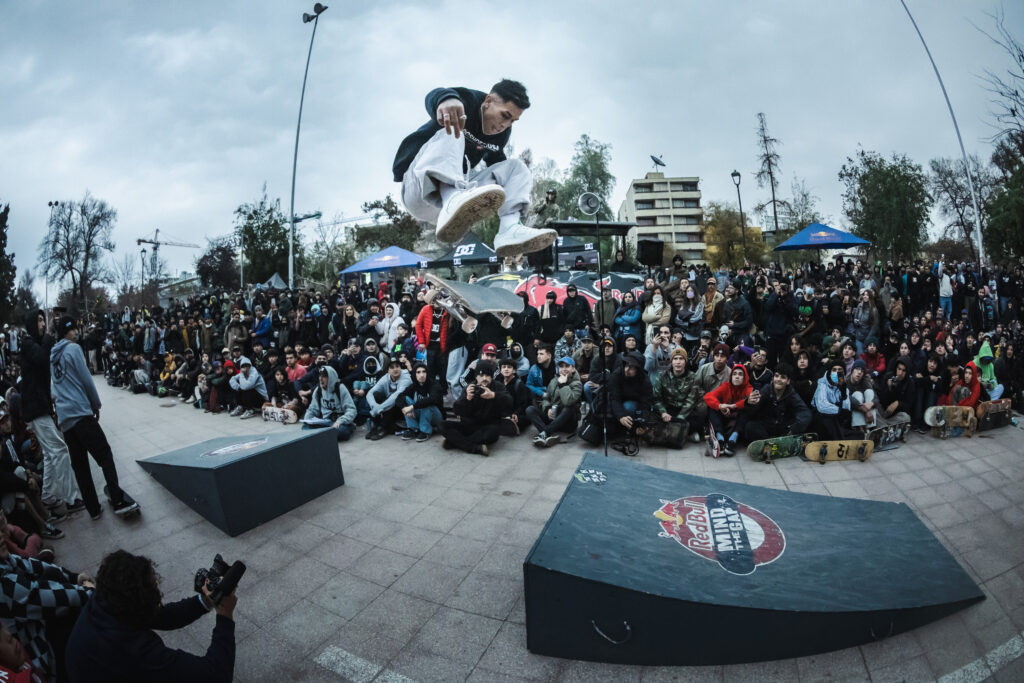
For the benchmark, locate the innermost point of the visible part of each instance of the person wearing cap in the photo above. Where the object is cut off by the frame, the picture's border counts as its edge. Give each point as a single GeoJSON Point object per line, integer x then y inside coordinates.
{"type": "Point", "coordinates": [59, 484]}
{"type": "Point", "coordinates": [559, 407]}
{"type": "Point", "coordinates": [488, 354]}
{"type": "Point", "coordinates": [481, 411]}
{"type": "Point", "coordinates": [542, 372]}
{"type": "Point", "coordinates": [383, 398]}
{"type": "Point", "coordinates": [568, 343]}
{"type": "Point", "coordinates": [776, 410]}
{"type": "Point", "coordinates": [250, 390]}
{"type": "Point", "coordinates": [701, 353]}
{"type": "Point", "coordinates": [521, 397]}
{"type": "Point", "coordinates": [630, 394]}
{"type": "Point", "coordinates": [676, 395]}
{"type": "Point", "coordinates": [577, 311]}
{"type": "Point", "coordinates": [78, 412]}
{"type": "Point", "coordinates": [331, 401]}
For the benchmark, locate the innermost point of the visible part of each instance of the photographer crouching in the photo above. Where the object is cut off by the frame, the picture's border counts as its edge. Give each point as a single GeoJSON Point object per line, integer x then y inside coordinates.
{"type": "Point", "coordinates": [114, 640]}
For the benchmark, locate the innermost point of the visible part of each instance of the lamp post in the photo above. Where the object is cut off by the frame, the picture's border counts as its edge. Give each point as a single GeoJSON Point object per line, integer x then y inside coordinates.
{"type": "Point", "coordinates": [46, 278]}
{"type": "Point", "coordinates": [142, 274]}
{"type": "Point", "coordinates": [743, 223]}
{"type": "Point", "coordinates": [318, 9]}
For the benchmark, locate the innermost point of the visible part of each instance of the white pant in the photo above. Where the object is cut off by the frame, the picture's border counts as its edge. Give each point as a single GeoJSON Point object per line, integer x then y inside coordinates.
{"type": "Point", "coordinates": [59, 481]}
{"type": "Point", "coordinates": [440, 160]}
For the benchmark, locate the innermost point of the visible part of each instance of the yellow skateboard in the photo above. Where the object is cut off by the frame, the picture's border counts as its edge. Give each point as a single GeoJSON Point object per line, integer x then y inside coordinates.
{"type": "Point", "coordinates": [832, 451]}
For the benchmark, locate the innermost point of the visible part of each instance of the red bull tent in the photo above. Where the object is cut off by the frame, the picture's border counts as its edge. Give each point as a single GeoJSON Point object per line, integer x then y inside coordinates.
{"type": "Point", "coordinates": [818, 236]}
{"type": "Point", "coordinates": [392, 257]}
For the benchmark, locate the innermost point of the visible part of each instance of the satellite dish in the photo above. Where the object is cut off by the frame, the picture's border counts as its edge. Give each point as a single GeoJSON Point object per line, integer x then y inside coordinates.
{"type": "Point", "coordinates": [657, 162]}
{"type": "Point", "coordinates": [589, 203]}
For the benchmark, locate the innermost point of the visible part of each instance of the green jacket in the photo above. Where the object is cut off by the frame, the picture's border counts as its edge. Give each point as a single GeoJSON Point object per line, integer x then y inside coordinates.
{"type": "Point", "coordinates": [987, 368]}
{"type": "Point", "coordinates": [670, 390]}
{"type": "Point", "coordinates": [563, 395]}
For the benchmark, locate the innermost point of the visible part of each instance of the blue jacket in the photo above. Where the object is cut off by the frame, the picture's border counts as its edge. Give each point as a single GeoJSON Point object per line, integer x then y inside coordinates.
{"type": "Point", "coordinates": [71, 382]}
{"type": "Point", "coordinates": [261, 331]}
{"type": "Point", "coordinates": [627, 321]}
{"type": "Point", "coordinates": [829, 397]}
{"type": "Point", "coordinates": [535, 380]}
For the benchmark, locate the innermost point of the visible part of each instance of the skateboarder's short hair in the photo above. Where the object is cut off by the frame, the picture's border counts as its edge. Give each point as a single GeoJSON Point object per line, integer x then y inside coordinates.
{"type": "Point", "coordinates": [512, 91]}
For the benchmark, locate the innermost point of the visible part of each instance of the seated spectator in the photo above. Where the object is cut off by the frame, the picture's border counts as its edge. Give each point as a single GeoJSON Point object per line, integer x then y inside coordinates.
{"type": "Point", "coordinates": [929, 390]}
{"type": "Point", "coordinates": [295, 370]}
{"type": "Point", "coordinates": [986, 371]}
{"type": "Point", "coordinates": [422, 402]}
{"type": "Point", "coordinates": [629, 393]}
{"type": "Point", "coordinates": [559, 407]}
{"type": "Point", "coordinates": [584, 357]}
{"type": "Point", "coordinates": [601, 368]}
{"type": "Point", "coordinates": [831, 403]}
{"type": "Point", "coordinates": [726, 408]}
{"type": "Point", "coordinates": [873, 360]}
{"type": "Point", "coordinates": [966, 390]}
{"type": "Point", "coordinates": [488, 354]}
{"type": "Point", "coordinates": [659, 352]}
{"type": "Point", "coordinates": [676, 395]}
{"type": "Point", "coordinates": [897, 394]}
{"type": "Point", "coordinates": [776, 411]}
{"type": "Point", "coordinates": [331, 401]}
{"type": "Point", "coordinates": [804, 381]}
{"type": "Point", "coordinates": [710, 376]}
{"type": "Point", "coordinates": [114, 637]}
{"type": "Point", "coordinates": [542, 372]}
{"type": "Point", "coordinates": [864, 400]}
{"type": "Point", "coordinates": [250, 390]}
{"type": "Point", "coordinates": [482, 409]}
{"type": "Point", "coordinates": [383, 398]}
{"type": "Point", "coordinates": [14, 661]}
{"type": "Point", "coordinates": [520, 395]}
{"type": "Point", "coordinates": [22, 543]}
{"type": "Point", "coordinates": [567, 344]}
{"type": "Point", "coordinates": [757, 368]}
{"type": "Point", "coordinates": [282, 394]}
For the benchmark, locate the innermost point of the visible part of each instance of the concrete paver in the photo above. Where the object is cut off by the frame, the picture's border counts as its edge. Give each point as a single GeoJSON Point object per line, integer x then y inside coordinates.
{"type": "Point", "coordinates": [413, 569]}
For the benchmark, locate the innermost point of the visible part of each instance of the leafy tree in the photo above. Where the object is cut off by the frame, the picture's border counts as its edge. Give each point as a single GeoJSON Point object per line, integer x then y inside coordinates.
{"type": "Point", "coordinates": [25, 299]}
{"type": "Point", "coordinates": [948, 184]}
{"type": "Point", "coordinates": [78, 235]}
{"type": "Point", "coordinates": [217, 267]}
{"type": "Point", "coordinates": [724, 238]}
{"type": "Point", "coordinates": [1004, 234]}
{"type": "Point", "coordinates": [887, 202]}
{"type": "Point", "coordinates": [263, 231]}
{"type": "Point", "coordinates": [769, 171]}
{"type": "Point", "coordinates": [394, 227]}
{"type": "Point", "coordinates": [942, 248]}
{"type": "Point", "coordinates": [8, 272]}
{"type": "Point", "coordinates": [588, 172]}
{"type": "Point", "coordinates": [96, 299]}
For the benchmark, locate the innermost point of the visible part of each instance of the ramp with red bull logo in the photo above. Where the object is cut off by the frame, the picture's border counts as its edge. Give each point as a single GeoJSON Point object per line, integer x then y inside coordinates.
{"type": "Point", "coordinates": [639, 565]}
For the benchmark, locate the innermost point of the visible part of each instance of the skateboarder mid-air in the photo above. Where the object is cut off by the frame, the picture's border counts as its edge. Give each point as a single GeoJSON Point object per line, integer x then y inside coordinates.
{"type": "Point", "coordinates": [443, 182]}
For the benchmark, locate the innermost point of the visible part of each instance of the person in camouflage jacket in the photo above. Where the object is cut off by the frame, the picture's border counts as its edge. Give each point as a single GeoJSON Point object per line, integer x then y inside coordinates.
{"type": "Point", "coordinates": [676, 394]}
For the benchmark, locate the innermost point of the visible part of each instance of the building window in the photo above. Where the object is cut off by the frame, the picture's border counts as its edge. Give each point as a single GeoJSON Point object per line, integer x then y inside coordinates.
{"type": "Point", "coordinates": [641, 188]}
{"type": "Point", "coordinates": [661, 187]}
{"type": "Point", "coordinates": [665, 236]}
{"type": "Point", "coordinates": [648, 220]}
{"type": "Point", "coordinates": [660, 203]}
{"type": "Point", "coordinates": [689, 237]}
{"type": "Point", "coordinates": [645, 205]}
{"type": "Point", "coordinates": [691, 203]}
{"type": "Point", "coordinates": [664, 220]}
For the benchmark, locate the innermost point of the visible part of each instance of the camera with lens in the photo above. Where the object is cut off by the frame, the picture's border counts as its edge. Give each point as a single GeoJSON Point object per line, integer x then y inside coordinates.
{"type": "Point", "coordinates": [221, 577]}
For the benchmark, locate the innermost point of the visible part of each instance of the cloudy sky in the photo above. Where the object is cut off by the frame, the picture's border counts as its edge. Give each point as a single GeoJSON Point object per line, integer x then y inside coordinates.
{"type": "Point", "coordinates": [175, 113]}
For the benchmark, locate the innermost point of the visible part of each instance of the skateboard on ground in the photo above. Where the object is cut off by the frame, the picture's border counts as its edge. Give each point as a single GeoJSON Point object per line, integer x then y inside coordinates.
{"type": "Point", "coordinates": [283, 415]}
{"type": "Point", "coordinates": [889, 436]}
{"type": "Point", "coordinates": [714, 446]}
{"type": "Point", "coordinates": [767, 450]}
{"type": "Point", "coordinates": [464, 301]}
{"type": "Point", "coordinates": [832, 451]}
{"type": "Point", "coordinates": [992, 414]}
{"type": "Point", "coordinates": [947, 421]}
{"type": "Point", "coordinates": [127, 513]}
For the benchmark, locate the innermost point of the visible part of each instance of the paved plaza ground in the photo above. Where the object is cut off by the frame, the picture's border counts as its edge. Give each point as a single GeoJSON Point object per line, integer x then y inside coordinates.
{"type": "Point", "coordinates": [413, 569]}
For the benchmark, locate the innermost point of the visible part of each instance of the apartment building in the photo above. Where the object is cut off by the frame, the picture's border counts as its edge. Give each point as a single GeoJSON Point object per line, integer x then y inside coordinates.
{"type": "Point", "coordinates": [666, 209]}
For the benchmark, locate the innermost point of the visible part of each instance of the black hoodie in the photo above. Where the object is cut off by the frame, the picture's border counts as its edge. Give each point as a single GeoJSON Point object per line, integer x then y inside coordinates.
{"type": "Point", "coordinates": [35, 370]}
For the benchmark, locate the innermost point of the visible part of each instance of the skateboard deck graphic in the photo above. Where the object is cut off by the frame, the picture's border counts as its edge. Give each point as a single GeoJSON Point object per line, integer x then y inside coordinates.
{"type": "Point", "coordinates": [463, 300]}
{"type": "Point", "coordinates": [992, 414]}
{"type": "Point", "coordinates": [283, 415]}
{"type": "Point", "coordinates": [833, 451]}
{"type": "Point", "coordinates": [890, 436]}
{"type": "Point", "coordinates": [714, 447]}
{"type": "Point", "coordinates": [767, 450]}
{"type": "Point", "coordinates": [947, 421]}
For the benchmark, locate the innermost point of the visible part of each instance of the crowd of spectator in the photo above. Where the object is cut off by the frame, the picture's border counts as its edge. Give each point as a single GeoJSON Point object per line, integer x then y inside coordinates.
{"type": "Point", "coordinates": [833, 348]}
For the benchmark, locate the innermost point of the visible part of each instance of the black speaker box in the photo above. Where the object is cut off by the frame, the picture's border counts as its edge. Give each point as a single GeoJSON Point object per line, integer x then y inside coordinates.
{"type": "Point", "coordinates": [240, 482]}
{"type": "Point", "coordinates": [541, 259]}
{"type": "Point", "coordinates": [639, 565]}
{"type": "Point", "coordinates": [650, 252]}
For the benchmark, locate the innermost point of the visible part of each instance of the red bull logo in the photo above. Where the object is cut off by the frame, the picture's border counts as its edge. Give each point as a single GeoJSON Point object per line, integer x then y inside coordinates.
{"type": "Point", "coordinates": [716, 527]}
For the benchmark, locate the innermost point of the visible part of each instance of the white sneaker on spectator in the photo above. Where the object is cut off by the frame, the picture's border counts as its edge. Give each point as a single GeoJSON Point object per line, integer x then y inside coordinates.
{"type": "Point", "coordinates": [237, 411]}
{"type": "Point", "coordinates": [518, 239]}
{"type": "Point", "coordinates": [248, 414]}
{"type": "Point", "coordinates": [465, 207]}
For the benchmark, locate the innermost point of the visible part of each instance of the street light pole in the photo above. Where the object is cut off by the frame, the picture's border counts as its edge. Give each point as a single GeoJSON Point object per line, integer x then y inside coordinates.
{"type": "Point", "coordinates": [318, 9]}
{"type": "Point", "coordinates": [46, 278]}
{"type": "Point", "coordinates": [743, 223]}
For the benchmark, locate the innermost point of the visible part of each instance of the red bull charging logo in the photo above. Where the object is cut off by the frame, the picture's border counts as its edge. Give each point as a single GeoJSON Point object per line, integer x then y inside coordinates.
{"type": "Point", "coordinates": [716, 527]}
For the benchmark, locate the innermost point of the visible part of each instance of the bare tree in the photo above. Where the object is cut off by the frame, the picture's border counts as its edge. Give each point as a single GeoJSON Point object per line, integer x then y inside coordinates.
{"type": "Point", "coordinates": [124, 273]}
{"type": "Point", "coordinates": [770, 169]}
{"type": "Point", "coordinates": [948, 184]}
{"type": "Point", "coordinates": [328, 234]}
{"type": "Point", "coordinates": [1007, 89]}
{"type": "Point", "coordinates": [78, 234]}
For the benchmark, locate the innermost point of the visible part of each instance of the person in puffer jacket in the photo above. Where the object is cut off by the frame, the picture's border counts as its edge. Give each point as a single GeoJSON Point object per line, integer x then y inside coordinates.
{"type": "Point", "coordinates": [726, 405]}
{"type": "Point", "coordinates": [831, 404]}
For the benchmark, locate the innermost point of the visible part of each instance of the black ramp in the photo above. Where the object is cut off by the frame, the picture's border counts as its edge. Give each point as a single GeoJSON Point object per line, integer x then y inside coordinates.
{"type": "Point", "coordinates": [240, 482]}
{"type": "Point", "coordinates": [640, 565]}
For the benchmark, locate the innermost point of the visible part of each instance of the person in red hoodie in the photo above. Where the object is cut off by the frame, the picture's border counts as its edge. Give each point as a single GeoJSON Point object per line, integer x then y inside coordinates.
{"type": "Point", "coordinates": [967, 390]}
{"type": "Point", "coordinates": [725, 408]}
{"type": "Point", "coordinates": [872, 358]}
{"type": "Point", "coordinates": [432, 337]}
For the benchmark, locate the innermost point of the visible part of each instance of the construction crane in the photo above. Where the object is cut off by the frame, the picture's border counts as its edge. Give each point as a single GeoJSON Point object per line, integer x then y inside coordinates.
{"type": "Point", "coordinates": [157, 243]}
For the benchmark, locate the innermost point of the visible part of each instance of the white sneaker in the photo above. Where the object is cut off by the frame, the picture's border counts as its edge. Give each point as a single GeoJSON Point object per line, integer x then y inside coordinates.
{"type": "Point", "coordinates": [248, 414]}
{"type": "Point", "coordinates": [518, 239]}
{"type": "Point", "coordinates": [466, 207]}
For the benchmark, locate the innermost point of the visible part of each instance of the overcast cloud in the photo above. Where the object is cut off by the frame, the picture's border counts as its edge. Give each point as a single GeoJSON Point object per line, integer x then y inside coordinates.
{"type": "Point", "coordinates": [175, 113]}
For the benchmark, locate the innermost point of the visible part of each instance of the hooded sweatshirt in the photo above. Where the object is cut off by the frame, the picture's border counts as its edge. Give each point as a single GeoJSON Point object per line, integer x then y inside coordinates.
{"type": "Point", "coordinates": [974, 387]}
{"type": "Point", "coordinates": [35, 370]}
{"type": "Point", "coordinates": [239, 382]}
{"type": "Point", "coordinates": [333, 403]}
{"type": "Point", "coordinates": [986, 367]}
{"type": "Point", "coordinates": [71, 382]}
{"type": "Point", "coordinates": [386, 391]}
{"type": "Point", "coordinates": [729, 393]}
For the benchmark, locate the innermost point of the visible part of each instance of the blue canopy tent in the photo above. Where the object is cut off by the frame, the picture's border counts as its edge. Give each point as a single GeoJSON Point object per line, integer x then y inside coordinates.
{"type": "Point", "coordinates": [392, 257]}
{"type": "Point", "coordinates": [818, 236]}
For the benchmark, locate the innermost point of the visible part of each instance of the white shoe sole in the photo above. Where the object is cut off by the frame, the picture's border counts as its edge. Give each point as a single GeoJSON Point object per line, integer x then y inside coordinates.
{"type": "Point", "coordinates": [543, 240]}
{"type": "Point", "coordinates": [483, 204]}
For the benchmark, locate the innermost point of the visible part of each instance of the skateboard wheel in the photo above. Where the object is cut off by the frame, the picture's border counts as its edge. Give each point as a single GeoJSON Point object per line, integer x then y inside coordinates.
{"type": "Point", "coordinates": [469, 325]}
{"type": "Point", "coordinates": [507, 321]}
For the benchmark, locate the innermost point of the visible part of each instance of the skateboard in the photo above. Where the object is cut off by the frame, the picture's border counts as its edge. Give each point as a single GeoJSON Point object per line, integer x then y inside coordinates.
{"type": "Point", "coordinates": [832, 451]}
{"type": "Point", "coordinates": [127, 513]}
{"type": "Point", "coordinates": [767, 450]}
{"type": "Point", "coordinates": [714, 447]}
{"type": "Point", "coordinates": [947, 421]}
{"type": "Point", "coordinates": [464, 301]}
{"type": "Point", "coordinates": [888, 437]}
{"type": "Point", "coordinates": [992, 414]}
{"type": "Point", "coordinates": [282, 415]}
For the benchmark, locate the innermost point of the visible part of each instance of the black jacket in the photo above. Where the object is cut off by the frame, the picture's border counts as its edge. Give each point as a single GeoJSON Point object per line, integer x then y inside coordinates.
{"type": "Point", "coordinates": [35, 370]}
{"type": "Point", "coordinates": [787, 415]}
{"type": "Point", "coordinates": [103, 649]}
{"type": "Point", "coordinates": [637, 388]}
{"type": "Point", "coordinates": [577, 312]}
{"type": "Point", "coordinates": [482, 411]}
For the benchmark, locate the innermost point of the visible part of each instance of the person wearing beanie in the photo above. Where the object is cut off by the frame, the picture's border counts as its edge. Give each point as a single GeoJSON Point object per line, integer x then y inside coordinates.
{"type": "Point", "coordinates": [676, 395]}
